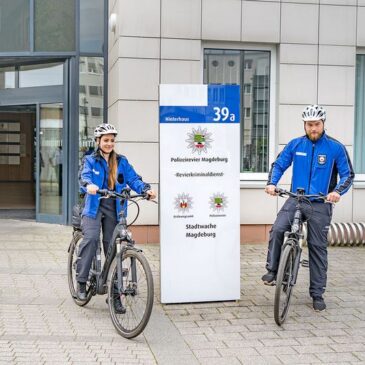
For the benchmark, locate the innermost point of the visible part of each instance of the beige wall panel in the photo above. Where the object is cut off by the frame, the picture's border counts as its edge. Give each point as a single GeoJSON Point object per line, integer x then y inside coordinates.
{"type": "Point", "coordinates": [290, 123]}
{"type": "Point", "coordinates": [113, 85]}
{"type": "Point", "coordinates": [181, 19]}
{"type": "Point", "coordinates": [138, 79]}
{"type": "Point", "coordinates": [299, 23]}
{"type": "Point", "coordinates": [342, 31]}
{"type": "Point", "coordinates": [148, 213]}
{"type": "Point", "coordinates": [113, 36]}
{"type": "Point", "coordinates": [221, 20]}
{"type": "Point", "coordinates": [360, 41]}
{"type": "Point", "coordinates": [359, 204]}
{"type": "Point", "coordinates": [181, 49]}
{"type": "Point", "coordinates": [139, 18]}
{"type": "Point", "coordinates": [303, 1]}
{"type": "Point", "coordinates": [336, 85]}
{"type": "Point", "coordinates": [113, 55]}
{"type": "Point", "coordinates": [137, 121]}
{"type": "Point", "coordinates": [138, 47]}
{"type": "Point", "coordinates": [111, 5]}
{"type": "Point", "coordinates": [298, 84]}
{"type": "Point", "coordinates": [340, 123]}
{"type": "Point", "coordinates": [337, 55]}
{"type": "Point", "coordinates": [143, 157]}
{"type": "Point", "coordinates": [113, 117]}
{"type": "Point", "coordinates": [360, 3]}
{"type": "Point", "coordinates": [342, 211]}
{"type": "Point", "coordinates": [260, 21]}
{"type": "Point", "coordinates": [299, 53]}
{"type": "Point", "coordinates": [181, 72]}
{"type": "Point", "coordinates": [257, 207]}
{"type": "Point", "coordinates": [339, 2]}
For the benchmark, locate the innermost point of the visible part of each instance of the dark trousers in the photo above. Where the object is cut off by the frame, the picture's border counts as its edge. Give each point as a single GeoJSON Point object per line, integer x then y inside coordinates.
{"type": "Point", "coordinates": [105, 219]}
{"type": "Point", "coordinates": [318, 224]}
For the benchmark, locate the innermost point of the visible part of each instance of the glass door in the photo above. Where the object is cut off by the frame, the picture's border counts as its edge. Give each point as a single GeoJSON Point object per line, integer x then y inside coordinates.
{"type": "Point", "coordinates": [50, 147]}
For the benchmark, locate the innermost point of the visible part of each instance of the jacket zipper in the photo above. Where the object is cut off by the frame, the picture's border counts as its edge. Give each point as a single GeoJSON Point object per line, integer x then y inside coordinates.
{"type": "Point", "coordinates": [311, 169]}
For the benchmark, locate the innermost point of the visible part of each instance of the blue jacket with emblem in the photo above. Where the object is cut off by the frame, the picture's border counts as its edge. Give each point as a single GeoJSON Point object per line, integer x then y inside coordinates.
{"type": "Point", "coordinates": [316, 165]}
{"type": "Point", "coordinates": [94, 170]}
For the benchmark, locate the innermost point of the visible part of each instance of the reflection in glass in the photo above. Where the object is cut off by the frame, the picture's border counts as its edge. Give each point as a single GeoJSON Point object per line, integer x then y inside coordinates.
{"type": "Point", "coordinates": [250, 70]}
{"type": "Point", "coordinates": [54, 25]}
{"type": "Point", "coordinates": [14, 25]}
{"type": "Point", "coordinates": [91, 26]}
{"type": "Point", "coordinates": [41, 75]}
{"type": "Point", "coordinates": [7, 78]}
{"type": "Point", "coordinates": [359, 148]}
{"type": "Point", "coordinates": [51, 158]}
{"type": "Point", "coordinates": [91, 101]}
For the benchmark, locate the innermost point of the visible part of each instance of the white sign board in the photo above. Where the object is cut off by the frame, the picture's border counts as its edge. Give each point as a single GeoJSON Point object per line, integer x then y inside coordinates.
{"type": "Point", "coordinates": [199, 193]}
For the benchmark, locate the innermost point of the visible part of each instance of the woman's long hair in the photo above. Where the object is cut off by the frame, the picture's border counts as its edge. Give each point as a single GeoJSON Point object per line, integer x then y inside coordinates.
{"type": "Point", "coordinates": [113, 167]}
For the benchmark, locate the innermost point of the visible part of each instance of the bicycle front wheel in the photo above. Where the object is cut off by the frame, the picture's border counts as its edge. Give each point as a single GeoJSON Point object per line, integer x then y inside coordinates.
{"type": "Point", "coordinates": [130, 310]}
{"type": "Point", "coordinates": [71, 272]}
{"type": "Point", "coordinates": [284, 284]}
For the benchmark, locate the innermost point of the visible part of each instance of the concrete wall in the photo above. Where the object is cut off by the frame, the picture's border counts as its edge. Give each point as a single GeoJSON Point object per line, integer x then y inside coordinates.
{"type": "Point", "coordinates": [162, 41]}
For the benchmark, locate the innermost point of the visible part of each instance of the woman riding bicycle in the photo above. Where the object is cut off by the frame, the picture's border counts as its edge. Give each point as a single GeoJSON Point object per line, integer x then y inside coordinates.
{"type": "Point", "coordinates": [104, 169]}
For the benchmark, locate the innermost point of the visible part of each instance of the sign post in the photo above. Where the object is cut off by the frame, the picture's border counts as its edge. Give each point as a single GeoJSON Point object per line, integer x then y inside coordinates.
{"type": "Point", "coordinates": [199, 193]}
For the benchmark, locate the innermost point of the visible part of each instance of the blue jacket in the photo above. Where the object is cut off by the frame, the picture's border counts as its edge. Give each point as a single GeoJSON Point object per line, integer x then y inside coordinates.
{"type": "Point", "coordinates": [316, 165]}
{"type": "Point", "coordinates": [94, 170]}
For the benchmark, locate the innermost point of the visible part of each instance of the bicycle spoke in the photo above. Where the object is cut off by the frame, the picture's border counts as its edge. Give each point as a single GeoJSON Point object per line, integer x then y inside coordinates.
{"type": "Point", "coordinates": [137, 295]}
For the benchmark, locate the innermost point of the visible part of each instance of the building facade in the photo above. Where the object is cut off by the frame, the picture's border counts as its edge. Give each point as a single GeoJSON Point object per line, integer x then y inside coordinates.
{"type": "Point", "coordinates": [283, 54]}
{"type": "Point", "coordinates": [66, 66]}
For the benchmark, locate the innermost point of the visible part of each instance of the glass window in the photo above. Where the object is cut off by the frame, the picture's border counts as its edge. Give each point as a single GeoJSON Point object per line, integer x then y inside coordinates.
{"type": "Point", "coordinates": [14, 25]}
{"type": "Point", "coordinates": [250, 70]}
{"type": "Point", "coordinates": [41, 75]}
{"type": "Point", "coordinates": [7, 78]}
{"type": "Point", "coordinates": [95, 90]}
{"type": "Point", "coordinates": [91, 26]}
{"type": "Point", "coordinates": [96, 112]}
{"type": "Point", "coordinates": [359, 148]}
{"type": "Point", "coordinates": [92, 78]}
{"type": "Point", "coordinates": [54, 25]}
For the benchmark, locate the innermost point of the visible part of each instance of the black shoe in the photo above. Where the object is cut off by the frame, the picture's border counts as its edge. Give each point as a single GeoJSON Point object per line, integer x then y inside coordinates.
{"type": "Point", "coordinates": [318, 304]}
{"type": "Point", "coordinates": [81, 291]}
{"type": "Point", "coordinates": [269, 278]}
{"type": "Point", "coordinates": [118, 306]}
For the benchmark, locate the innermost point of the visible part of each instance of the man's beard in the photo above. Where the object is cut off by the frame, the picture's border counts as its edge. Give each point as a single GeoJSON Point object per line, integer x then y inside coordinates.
{"type": "Point", "coordinates": [314, 138]}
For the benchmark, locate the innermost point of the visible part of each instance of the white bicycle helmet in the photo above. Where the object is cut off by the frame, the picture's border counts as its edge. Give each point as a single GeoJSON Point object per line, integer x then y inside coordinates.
{"type": "Point", "coordinates": [104, 128]}
{"type": "Point", "coordinates": [314, 112]}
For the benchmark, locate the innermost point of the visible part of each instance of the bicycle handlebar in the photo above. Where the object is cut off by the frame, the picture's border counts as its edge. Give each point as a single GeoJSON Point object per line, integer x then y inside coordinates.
{"type": "Point", "coordinates": [124, 194]}
{"type": "Point", "coordinates": [282, 192]}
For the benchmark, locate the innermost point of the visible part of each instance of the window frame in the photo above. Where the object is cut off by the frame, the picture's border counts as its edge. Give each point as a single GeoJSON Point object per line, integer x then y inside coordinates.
{"type": "Point", "coordinates": [254, 178]}
{"type": "Point", "coordinates": [359, 178]}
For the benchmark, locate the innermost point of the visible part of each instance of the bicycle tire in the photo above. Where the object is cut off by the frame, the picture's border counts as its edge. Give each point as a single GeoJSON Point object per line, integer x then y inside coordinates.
{"type": "Point", "coordinates": [71, 272]}
{"type": "Point", "coordinates": [137, 298]}
{"type": "Point", "coordinates": [284, 287]}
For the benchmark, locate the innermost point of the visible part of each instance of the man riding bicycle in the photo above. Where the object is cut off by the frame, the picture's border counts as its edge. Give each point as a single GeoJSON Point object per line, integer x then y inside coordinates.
{"type": "Point", "coordinates": [317, 161]}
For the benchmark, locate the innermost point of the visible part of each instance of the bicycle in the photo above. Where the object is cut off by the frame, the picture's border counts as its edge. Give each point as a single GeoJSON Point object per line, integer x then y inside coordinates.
{"type": "Point", "coordinates": [125, 273]}
{"type": "Point", "coordinates": [290, 254]}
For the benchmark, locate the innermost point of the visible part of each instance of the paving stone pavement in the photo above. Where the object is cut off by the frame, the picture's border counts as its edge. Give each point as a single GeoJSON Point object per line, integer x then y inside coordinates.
{"type": "Point", "coordinates": [40, 324]}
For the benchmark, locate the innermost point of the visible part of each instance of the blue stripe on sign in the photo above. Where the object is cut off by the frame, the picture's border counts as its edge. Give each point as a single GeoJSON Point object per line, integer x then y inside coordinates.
{"type": "Point", "coordinates": [223, 107]}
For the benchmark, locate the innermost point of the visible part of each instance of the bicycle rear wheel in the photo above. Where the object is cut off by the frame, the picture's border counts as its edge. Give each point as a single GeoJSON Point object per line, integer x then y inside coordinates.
{"type": "Point", "coordinates": [284, 284]}
{"type": "Point", "coordinates": [137, 295]}
{"type": "Point", "coordinates": [71, 272]}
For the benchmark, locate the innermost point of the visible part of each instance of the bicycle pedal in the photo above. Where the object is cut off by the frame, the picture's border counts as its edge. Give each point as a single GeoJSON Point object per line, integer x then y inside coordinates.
{"type": "Point", "coordinates": [305, 263]}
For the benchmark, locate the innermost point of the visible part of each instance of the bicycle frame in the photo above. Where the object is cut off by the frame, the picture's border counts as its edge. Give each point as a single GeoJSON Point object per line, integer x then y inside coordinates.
{"type": "Point", "coordinates": [295, 238]}
{"type": "Point", "coordinates": [116, 249]}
